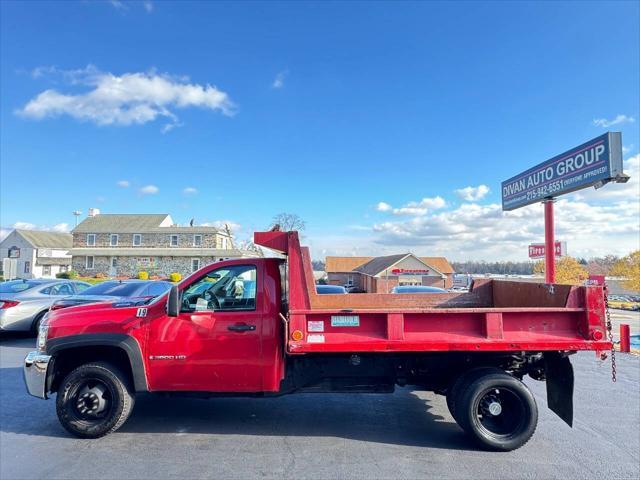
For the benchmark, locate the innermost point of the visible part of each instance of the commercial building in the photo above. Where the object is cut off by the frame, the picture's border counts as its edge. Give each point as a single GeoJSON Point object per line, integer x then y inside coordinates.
{"type": "Point", "coordinates": [381, 274]}
{"type": "Point", "coordinates": [121, 245]}
{"type": "Point", "coordinates": [37, 254]}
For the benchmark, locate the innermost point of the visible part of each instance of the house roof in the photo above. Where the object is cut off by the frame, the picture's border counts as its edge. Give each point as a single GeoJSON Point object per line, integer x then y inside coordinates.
{"type": "Point", "coordinates": [40, 239]}
{"type": "Point", "coordinates": [441, 264]}
{"type": "Point", "coordinates": [378, 264]}
{"type": "Point", "coordinates": [350, 264]}
{"type": "Point", "coordinates": [116, 223]}
{"type": "Point", "coordinates": [344, 264]}
{"type": "Point", "coordinates": [136, 223]}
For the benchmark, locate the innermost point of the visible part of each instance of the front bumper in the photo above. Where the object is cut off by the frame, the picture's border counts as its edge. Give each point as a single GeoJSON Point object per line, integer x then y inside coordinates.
{"type": "Point", "coordinates": [35, 370]}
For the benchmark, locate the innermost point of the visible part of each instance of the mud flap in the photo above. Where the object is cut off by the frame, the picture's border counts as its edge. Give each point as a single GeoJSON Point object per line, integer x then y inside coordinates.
{"type": "Point", "coordinates": [559, 374]}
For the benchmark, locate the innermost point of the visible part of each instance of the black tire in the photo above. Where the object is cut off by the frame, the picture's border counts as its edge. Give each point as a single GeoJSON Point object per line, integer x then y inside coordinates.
{"type": "Point", "coordinates": [460, 384]}
{"type": "Point", "coordinates": [503, 428]}
{"type": "Point", "coordinates": [35, 326]}
{"type": "Point", "coordinates": [94, 400]}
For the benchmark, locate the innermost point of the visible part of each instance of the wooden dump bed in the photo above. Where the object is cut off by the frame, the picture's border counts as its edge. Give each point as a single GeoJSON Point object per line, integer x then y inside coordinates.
{"type": "Point", "coordinates": [492, 316]}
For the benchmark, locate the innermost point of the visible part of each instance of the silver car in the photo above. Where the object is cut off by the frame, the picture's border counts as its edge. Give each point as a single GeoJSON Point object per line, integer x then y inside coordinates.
{"type": "Point", "coordinates": [23, 303]}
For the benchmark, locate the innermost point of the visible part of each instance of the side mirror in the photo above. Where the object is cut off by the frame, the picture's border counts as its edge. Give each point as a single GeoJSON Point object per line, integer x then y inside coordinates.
{"type": "Point", "coordinates": [173, 302]}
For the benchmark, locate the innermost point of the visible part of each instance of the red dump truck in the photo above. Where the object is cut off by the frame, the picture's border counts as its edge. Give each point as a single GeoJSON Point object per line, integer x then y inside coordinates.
{"type": "Point", "coordinates": [255, 326]}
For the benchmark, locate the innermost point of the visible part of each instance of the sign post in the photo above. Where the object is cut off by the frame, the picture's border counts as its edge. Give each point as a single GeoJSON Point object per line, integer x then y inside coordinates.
{"type": "Point", "coordinates": [549, 243]}
{"type": "Point", "coordinates": [594, 163]}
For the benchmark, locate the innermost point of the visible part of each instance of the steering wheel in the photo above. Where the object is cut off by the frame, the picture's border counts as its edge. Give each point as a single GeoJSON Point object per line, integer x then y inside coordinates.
{"type": "Point", "coordinates": [212, 302]}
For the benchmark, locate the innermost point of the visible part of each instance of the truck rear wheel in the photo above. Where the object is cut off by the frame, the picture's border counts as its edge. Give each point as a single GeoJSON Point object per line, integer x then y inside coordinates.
{"type": "Point", "coordinates": [94, 400]}
{"type": "Point", "coordinates": [461, 383]}
{"type": "Point", "coordinates": [498, 411]}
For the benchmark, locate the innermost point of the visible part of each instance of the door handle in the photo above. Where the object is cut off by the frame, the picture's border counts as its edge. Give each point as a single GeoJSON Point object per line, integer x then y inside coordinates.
{"type": "Point", "coordinates": [241, 327]}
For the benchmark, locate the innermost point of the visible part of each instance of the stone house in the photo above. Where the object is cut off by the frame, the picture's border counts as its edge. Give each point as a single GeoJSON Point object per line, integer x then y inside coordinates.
{"type": "Point", "coordinates": [381, 274]}
{"type": "Point", "coordinates": [37, 254]}
{"type": "Point", "coordinates": [122, 245]}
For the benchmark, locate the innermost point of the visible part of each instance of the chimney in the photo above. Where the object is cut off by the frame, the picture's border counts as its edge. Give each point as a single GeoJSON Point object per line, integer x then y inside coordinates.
{"type": "Point", "coordinates": [93, 212]}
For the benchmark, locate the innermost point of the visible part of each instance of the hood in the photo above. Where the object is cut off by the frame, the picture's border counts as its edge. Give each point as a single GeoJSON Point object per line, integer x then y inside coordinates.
{"type": "Point", "coordinates": [115, 301]}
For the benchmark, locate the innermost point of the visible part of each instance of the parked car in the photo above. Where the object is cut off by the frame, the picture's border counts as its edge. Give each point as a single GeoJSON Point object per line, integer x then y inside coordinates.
{"type": "Point", "coordinates": [330, 289]}
{"type": "Point", "coordinates": [133, 291]}
{"type": "Point", "coordinates": [417, 289]}
{"type": "Point", "coordinates": [23, 303]}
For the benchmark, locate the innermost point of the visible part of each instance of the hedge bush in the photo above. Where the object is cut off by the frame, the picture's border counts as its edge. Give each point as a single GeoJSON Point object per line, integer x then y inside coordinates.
{"type": "Point", "coordinates": [69, 275]}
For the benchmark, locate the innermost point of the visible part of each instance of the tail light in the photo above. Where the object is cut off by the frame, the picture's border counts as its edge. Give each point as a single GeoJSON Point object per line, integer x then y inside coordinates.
{"type": "Point", "coordinates": [4, 304]}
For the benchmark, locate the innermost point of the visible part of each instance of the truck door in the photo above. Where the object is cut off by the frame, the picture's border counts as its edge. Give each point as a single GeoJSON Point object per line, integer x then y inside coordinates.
{"type": "Point", "coordinates": [215, 342]}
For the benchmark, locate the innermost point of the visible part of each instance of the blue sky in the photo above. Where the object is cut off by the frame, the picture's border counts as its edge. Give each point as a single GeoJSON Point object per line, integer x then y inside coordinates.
{"type": "Point", "coordinates": [366, 119]}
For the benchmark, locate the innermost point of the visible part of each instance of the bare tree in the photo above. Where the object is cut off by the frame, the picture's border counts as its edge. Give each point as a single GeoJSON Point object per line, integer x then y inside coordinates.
{"type": "Point", "coordinates": [288, 222]}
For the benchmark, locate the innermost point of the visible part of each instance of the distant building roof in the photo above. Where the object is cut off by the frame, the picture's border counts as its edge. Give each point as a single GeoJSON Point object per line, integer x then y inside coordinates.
{"type": "Point", "coordinates": [137, 223]}
{"type": "Point", "coordinates": [441, 264]}
{"type": "Point", "coordinates": [344, 264]}
{"type": "Point", "coordinates": [378, 264]}
{"type": "Point", "coordinates": [125, 223]}
{"type": "Point", "coordinates": [40, 239]}
{"type": "Point", "coordinates": [350, 264]}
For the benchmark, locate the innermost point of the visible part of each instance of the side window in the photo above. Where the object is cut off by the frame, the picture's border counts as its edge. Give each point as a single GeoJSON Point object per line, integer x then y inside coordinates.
{"type": "Point", "coordinates": [224, 289]}
{"type": "Point", "coordinates": [62, 289]}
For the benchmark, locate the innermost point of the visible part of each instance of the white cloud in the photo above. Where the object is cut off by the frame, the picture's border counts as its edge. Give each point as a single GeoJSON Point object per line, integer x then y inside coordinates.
{"type": "Point", "coordinates": [123, 183]}
{"type": "Point", "coordinates": [384, 207]}
{"type": "Point", "coordinates": [149, 190]}
{"type": "Point", "coordinates": [190, 191]}
{"type": "Point", "coordinates": [4, 232]}
{"type": "Point", "coordinates": [278, 82]}
{"type": "Point", "coordinates": [472, 194]}
{"type": "Point", "coordinates": [620, 119]}
{"type": "Point", "coordinates": [60, 227]}
{"type": "Point", "coordinates": [221, 225]}
{"type": "Point", "coordinates": [148, 6]}
{"type": "Point", "coordinates": [118, 4]}
{"type": "Point", "coordinates": [414, 208]}
{"type": "Point", "coordinates": [128, 99]}
{"type": "Point", "coordinates": [24, 226]}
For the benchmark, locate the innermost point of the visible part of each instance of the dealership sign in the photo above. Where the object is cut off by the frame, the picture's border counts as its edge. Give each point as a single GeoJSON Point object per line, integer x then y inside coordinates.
{"type": "Point", "coordinates": [406, 271]}
{"type": "Point", "coordinates": [593, 163]}
{"type": "Point", "coordinates": [537, 250]}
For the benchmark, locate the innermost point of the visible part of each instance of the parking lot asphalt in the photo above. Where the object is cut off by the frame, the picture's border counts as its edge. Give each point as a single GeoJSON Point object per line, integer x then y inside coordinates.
{"type": "Point", "coordinates": [404, 435]}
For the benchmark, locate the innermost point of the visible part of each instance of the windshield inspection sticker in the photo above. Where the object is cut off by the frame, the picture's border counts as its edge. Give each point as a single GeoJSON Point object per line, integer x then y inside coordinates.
{"type": "Point", "coordinates": [315, 338]}
{"type": "Point", "coordinates": [345, 321]}
{"type": "Point", "coordinates": [315, 326]}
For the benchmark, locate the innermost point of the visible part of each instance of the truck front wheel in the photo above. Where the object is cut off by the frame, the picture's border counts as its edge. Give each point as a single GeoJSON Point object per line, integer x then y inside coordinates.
{"type": "Point", "coordinates": [93, 400]}
{"type": "Point", "coordinates": [498, 411]}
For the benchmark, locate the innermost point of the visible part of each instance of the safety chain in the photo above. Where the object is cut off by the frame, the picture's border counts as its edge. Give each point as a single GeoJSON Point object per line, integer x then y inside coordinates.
{"type": "Point", "coordinates": [613, 348]}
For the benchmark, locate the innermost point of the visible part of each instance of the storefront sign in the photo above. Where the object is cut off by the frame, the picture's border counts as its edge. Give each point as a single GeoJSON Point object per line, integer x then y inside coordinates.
{"type": "Point", "coordinates": [595, 280]}
{"type": "Point", "coordinates": [595, 162]}
{"type": "Point", "coordinates": [407, 271]}
{"type": "Point", "coordinates": [536, 250]}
